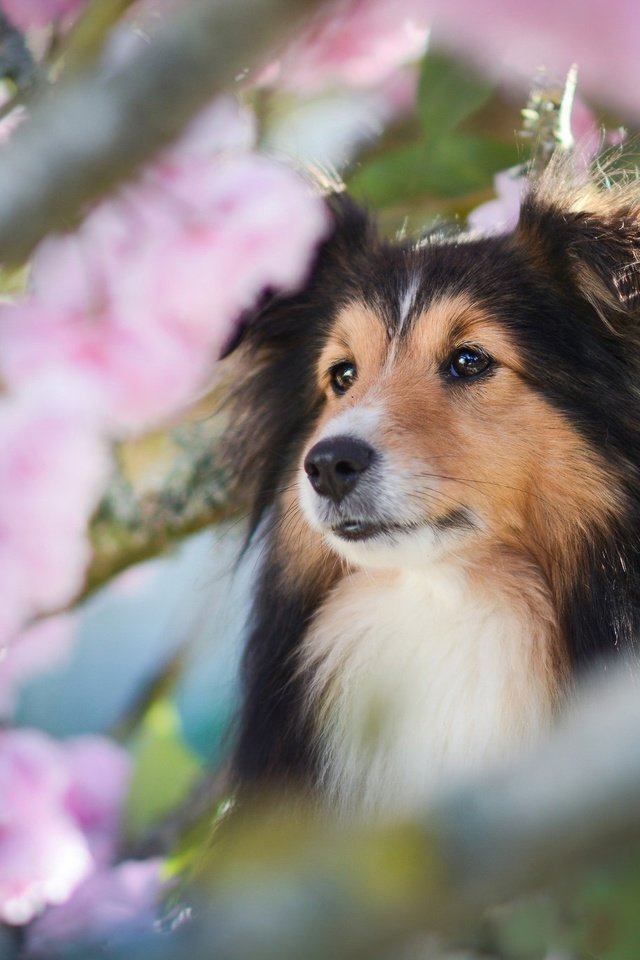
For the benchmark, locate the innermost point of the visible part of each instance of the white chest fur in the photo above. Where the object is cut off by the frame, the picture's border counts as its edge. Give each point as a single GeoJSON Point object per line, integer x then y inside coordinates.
{"type": "Point", "coordinates": [419, 679]}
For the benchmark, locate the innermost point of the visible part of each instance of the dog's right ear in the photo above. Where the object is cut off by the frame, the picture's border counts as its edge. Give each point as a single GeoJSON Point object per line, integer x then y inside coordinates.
{"type": "Point", "coordinates": [351, 233]}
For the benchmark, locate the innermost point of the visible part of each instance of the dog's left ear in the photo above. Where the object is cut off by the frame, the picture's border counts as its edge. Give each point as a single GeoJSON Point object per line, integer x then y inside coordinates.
{"type": "Point", "coordinates": [589, 240]}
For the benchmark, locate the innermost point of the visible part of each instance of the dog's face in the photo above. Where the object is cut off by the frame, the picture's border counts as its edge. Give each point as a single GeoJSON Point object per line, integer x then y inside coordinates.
{"type": "Point", "coordinates": [432, 436]}
{"type": "Point", "coordinates": [423, 398]}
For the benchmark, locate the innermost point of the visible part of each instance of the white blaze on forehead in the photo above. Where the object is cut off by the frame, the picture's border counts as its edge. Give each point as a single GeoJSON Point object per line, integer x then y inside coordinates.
{"type": "Point", "coordinates": [407, 300]}
{"type": "Point", "coordinates": [359, 422]}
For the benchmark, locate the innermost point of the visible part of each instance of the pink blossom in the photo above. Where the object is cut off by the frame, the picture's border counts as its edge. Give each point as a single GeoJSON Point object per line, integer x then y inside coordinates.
{"type": "Point", "coordinates": [120, 329]}
{"type": "Point", "coordinates": [501, 214]}
{"type": "Point", "coordinates": [99, 772]}
{"type": "Point", "coordinates": [88, 318]}
{"type": "Point", "coordinates": [604, 42]}
{"type": "Point", "coordinates": [60, 809]}
{"type": "Point", "coordinates": [222, 127]}
{"type": "Point", "coordinates": [52, 470]}
{"type": "Point", "coordinates": [130, 370]}
{"type": "Point", "coordinates": [44, 645]}
{"type": "Point", "coordinates": [39, 13]}
{"type": "Point", "coordinates": [43, 855]}
{"type": "Point", "coordinates": [135, 306]}
{"type": "Point", "coordinates": [252, 227]}
{"type": "Point", "coordinates": [499, 35]}
{"type": "Point", "coordinates": [110, 902]}
{"type": "Point", "coordinates": [359, 43]}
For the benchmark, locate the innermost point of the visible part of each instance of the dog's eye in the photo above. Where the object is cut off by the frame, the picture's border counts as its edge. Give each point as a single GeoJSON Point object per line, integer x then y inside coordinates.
{"type": "Point", "coordinates": [343, 376]}
{"type": "Point", "coordinates": [468, 362]}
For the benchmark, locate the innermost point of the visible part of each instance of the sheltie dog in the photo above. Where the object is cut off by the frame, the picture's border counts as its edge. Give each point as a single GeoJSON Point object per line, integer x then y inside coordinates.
{"type": "Point", "coordinates": [441, 443]}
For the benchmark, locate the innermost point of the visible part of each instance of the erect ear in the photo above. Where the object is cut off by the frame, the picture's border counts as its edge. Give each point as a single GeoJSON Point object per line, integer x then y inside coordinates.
{"type": "Point", "coordinates": [351, 233]}
{"type": "Point", "coordinates": [589, 239]}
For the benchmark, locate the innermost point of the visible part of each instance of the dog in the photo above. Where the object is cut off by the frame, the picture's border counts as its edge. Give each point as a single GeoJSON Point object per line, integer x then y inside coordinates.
{"type": "Point", "coordinates": [440, 442]}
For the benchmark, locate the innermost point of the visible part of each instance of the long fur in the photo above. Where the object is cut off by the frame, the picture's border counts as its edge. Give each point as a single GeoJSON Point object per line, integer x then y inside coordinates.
{"type": "Point", "coordinates": [374, 673]}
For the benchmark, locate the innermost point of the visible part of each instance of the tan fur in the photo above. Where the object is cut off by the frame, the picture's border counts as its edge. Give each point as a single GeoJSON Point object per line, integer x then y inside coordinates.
{"type": "Point", "coordinates": [305, 555]}
{"type": "Point", "coordinates": [567, 186]}
{"type": "Point", "coordinates": [357, 332]}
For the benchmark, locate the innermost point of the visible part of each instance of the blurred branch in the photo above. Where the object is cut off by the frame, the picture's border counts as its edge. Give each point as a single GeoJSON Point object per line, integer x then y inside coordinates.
{"type": "Point", "coordinates": [285, 884]}
{"type": "Point", "coordinates": [138, 520]}
{"type": "Point", "coordinates": [91, 132]}
{"type": "Point", "coordinates": [86, 38]}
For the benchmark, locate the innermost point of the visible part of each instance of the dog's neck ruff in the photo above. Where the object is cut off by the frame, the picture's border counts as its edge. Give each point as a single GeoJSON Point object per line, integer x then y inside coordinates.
{"type": "Point", "coordinates": [421, 678]}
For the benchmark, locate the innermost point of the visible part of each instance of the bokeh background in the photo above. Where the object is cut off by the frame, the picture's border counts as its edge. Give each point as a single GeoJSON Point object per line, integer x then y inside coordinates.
{"type": "Point", "coordinates": [153, 183]}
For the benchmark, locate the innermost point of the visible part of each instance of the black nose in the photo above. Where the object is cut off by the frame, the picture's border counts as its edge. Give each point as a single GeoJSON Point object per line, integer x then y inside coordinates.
{"type": "Point", "coordinates": [334, 465]}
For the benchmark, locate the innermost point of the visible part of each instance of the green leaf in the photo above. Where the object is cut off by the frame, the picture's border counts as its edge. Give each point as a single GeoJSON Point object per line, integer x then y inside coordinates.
{"type": "Point", "coordinates": [448, 93]}
{"type": "Point", "coordinates": [164, 770]}
{"type": "Point", "coordinates": [454, 167]}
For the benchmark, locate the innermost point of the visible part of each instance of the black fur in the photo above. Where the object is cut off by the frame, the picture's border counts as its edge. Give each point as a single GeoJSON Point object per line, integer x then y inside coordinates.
{"type": "Point", "coordinates": [274, 739]}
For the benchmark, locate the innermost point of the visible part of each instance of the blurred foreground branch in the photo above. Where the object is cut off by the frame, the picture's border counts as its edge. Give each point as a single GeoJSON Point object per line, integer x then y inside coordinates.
{"type": "Point", "coordinates": [91, 132]}
{"type": "Point", "coordinates": [286, 885]}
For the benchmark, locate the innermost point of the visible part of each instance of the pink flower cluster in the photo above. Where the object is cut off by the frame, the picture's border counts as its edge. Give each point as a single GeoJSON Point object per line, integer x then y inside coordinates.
{"type": "Point", "coordinates": [52, 469]}
{"type": "Point", "coordinates": [120, 328]}
{"type": "Point", "coordinates": [60, 810]}
{"type": "Point", "coordinates": [516, 39]}
{"type": "Point", "coordinates": [111, 902]}
{"type": "Point", "coordinates": [132, 308]}
{"type": "Point", "coordinates": [359, 42]}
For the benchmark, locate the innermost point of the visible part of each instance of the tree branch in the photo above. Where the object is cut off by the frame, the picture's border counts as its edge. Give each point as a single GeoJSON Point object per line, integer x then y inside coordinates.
{"type": "Point", "coordinates": [88, 134]}
{"type": "Point", "coordinates": [136, 521]}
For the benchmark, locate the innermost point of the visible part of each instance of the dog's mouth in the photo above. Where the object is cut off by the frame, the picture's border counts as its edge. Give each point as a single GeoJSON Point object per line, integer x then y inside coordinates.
{"type": "Point", "coordinates": [359, 530]}
{"type": "Point", "coordinates": [368, 530]}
